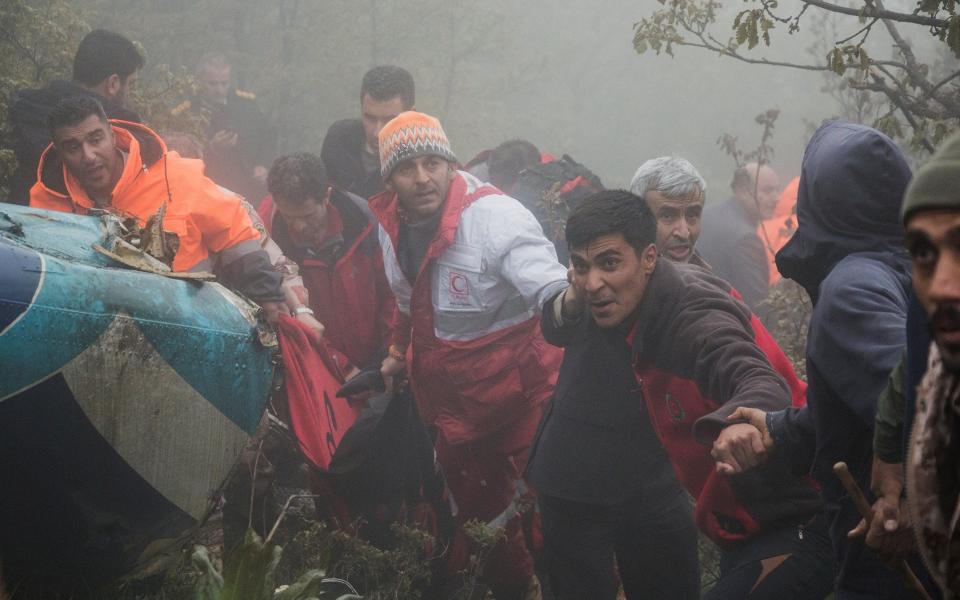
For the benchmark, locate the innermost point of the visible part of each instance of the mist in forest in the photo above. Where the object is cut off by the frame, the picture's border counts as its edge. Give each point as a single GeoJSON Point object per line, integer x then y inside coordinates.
{"type": "Point", "coordinates": [561, 74]}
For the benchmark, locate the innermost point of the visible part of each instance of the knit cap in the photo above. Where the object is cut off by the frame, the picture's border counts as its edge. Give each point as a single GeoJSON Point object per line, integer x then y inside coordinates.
{"type": "Point", "coordinates": [409, 135]}
{"type": "Point", "coordinates": [937, 183]}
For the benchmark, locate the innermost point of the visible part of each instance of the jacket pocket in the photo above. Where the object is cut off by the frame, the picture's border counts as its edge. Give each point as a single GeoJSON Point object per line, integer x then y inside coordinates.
{"type": "Point", "coordinates": [458, 286]}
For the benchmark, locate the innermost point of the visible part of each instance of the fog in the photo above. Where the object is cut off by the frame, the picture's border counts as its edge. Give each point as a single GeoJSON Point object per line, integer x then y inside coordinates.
{"type": "Point", "coordinates": [563, 75]}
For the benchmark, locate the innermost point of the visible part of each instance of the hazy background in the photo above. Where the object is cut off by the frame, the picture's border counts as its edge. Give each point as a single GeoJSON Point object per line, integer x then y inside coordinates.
{"type": "Point", "coordinates": [562, 74]}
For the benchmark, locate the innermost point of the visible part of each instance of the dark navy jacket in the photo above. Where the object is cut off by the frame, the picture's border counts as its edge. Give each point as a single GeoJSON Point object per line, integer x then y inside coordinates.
{"type": "Point", "coordinates": [342, 154]}
{"type": "Point", "coordinates": [729, 242]}
{"type": "Point", "coordinates": [848, 254]}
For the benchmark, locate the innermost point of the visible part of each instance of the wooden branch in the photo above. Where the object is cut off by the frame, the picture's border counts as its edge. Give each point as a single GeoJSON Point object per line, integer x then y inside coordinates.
{"type": "Point", "coordinates": [865, 30]}
{"type": "Point", "coordinates": [944, 81]}
{"type": "Point", "coordinates": [878, 12]}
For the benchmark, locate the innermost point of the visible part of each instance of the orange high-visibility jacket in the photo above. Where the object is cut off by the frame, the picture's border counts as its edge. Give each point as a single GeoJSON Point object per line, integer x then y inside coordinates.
{"type": "Point", "coordinates": [207, 219]}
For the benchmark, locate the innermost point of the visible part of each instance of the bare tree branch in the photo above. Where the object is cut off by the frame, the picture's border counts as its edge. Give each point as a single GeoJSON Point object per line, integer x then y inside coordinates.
{"type": "Point", "coordinates": [865, 31]}
{"type": "Point", "coordinates": [871, 12]}
{"type": "Point", "coordinates": [913, 70]}
{"type": "Point", "coordinates": [908, 115]}
{"type": "Point", "coordinates": [711, 43]}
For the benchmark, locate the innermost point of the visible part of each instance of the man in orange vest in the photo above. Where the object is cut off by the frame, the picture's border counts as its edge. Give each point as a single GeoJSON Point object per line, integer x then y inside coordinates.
{"type": "Point", "coordinates": [125, 168]}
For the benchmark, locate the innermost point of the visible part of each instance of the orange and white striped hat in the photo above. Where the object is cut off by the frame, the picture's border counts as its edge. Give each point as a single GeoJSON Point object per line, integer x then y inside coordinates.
{"type": "Point", "coordinates": [411, 134]}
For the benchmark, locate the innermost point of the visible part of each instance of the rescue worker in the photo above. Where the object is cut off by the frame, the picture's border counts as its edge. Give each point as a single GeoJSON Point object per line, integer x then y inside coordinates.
{"type": "Point", "coordinates": [675, 192]}
{"type": "Point", "coordinates": [657, 355]}
{"type": "Point", "coordinates": [469, 268]}
{"type": "Point", "coordinates": [350, 146]}
{"type": "Point", "coordinates": [729, 240]}
{"type": "Point", "coordinates": [239, 143]}
{"type": "Point", "coordinates": [776, 231]}
{"type": "Point", "coordinates": [332, 236]}
{"type": "Point", "coordinates": [124, 167]}
{"type": "Point", "coordinates": [106, 67]}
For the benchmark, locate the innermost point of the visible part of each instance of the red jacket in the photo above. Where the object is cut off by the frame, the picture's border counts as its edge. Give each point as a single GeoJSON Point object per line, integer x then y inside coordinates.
{"type": "Point", "coordinates": [684, 406]}
{"type": "Point", "coordinates": [478, 362]}
{"type": "Point", "coordinates": [347, 288]}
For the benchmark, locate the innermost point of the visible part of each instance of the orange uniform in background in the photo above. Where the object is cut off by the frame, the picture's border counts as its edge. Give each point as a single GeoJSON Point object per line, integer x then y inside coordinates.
{"type": "Point", "coordinates": [205, 219]}
{"type": "Point", "coordinates": [778, 229]}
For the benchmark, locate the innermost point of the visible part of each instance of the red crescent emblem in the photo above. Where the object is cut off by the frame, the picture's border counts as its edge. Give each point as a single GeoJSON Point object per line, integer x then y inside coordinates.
{"type": "Point", "coordinates": [458, 283]}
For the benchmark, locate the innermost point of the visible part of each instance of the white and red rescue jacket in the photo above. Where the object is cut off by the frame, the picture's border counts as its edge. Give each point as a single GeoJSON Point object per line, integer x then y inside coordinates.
{"type": "Point", "coordinates": [470, 319]}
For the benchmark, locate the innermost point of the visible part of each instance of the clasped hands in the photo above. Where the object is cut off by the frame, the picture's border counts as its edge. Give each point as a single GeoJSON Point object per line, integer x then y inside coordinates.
{"type": "Point", "coordinates": [742, 446]}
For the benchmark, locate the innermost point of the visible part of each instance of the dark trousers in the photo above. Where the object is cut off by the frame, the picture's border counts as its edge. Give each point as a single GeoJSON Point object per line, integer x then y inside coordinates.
{"type": "Point", "coordinates": [653, 540]}
{"type": "Point", "coordinates": [788, 563]}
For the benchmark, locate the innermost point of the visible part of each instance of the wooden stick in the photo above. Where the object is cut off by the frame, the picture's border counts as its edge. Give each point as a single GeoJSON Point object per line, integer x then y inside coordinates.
{"type": "Point", "coordinates": [866, 511]}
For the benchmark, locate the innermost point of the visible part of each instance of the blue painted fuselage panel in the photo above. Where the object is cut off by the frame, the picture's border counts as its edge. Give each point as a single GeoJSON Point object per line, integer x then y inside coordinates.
{"type": "Point", "coordinates": [194, 327]}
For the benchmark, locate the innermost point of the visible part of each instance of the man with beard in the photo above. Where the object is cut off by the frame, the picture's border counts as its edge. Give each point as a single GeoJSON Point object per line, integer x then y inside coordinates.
{"type": "Point", "coordinates": [729, 242]}
{"type": "Point", "coordinates": [105, 67]}
{"type": "Point", "coordinates": [470, 270]}
{"type": "Point", "coordinates": [95, 164]}
{"type": "Point", "coordinates": [931, 214]}
{"type": "Point", "coordinates": [674, 191]}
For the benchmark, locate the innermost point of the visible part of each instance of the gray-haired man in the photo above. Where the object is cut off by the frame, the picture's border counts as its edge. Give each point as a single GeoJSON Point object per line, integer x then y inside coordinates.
{"type": "Point", "coordinates": [674, 191]}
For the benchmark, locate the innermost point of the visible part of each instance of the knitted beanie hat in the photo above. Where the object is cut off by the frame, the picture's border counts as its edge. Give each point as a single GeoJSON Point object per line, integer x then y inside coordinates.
{"type": "Point", "coordinates": [411, 134]}
{"type": "Point", "coordinates": [937, 183]}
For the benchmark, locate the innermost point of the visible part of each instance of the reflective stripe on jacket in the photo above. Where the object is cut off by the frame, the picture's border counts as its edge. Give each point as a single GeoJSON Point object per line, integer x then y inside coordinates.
{"type": "Point", "coordinates": [478, 360]}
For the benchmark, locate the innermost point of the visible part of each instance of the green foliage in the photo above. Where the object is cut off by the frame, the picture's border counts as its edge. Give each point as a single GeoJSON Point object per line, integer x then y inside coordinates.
{"type": "Point", "coordinates": [662, 30]}
{"type": "Point", "coordinates": [37, 41]}
{"type": "Point", "coordinates": [750, 26]}
{"type": "Point", "coordinates": [401, 571]}
{"type": "Point", "coordinates": [249, 574]}
{"type": "Point", "coordinates": [484, 539]}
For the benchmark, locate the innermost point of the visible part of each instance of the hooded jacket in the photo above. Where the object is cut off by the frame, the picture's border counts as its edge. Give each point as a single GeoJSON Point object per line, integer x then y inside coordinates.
{"type": "Point", "coordinates": [212, 226]}
{"type": "Point", "coordinates": [28, 114]}
{"type": "Point", "coordinates": [469, 319]}
{"type": "Point", "coordinates": [848, 254]}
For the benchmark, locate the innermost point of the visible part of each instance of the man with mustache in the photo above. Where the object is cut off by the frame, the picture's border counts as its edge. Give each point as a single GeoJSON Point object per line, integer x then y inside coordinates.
{"type": "Point", "coordinates": [470, 270]}
{"type": "Point", "coordinates": [931, 214]}
{"type": "Point", "coordinates": [657, 355]}
{"type": "Point", "coordinates": [96, 164]}
{"type": "Point", "coordinates": [675, 192]}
